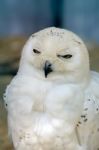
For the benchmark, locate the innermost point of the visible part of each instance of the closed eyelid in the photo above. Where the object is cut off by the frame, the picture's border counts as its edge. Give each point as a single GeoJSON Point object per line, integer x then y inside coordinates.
{"type": "Point", "coordinates": [65, 56]}
{"type": "Point", "coordinates": [36, 51]}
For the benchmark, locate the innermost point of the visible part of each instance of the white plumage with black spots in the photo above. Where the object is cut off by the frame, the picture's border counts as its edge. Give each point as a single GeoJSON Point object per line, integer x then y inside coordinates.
{"type": "Point", "coordinates": [88, 125]}
{"type": "Point", "coordinates": [53, 101]}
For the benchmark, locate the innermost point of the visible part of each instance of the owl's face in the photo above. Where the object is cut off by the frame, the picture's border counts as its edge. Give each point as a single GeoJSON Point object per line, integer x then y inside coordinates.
{"type": "Point", "coordinates": [56, 52]}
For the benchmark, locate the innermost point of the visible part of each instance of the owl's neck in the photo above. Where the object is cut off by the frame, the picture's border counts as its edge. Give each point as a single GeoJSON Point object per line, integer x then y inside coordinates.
{"type": "Point", "coordinates": [81, 78]}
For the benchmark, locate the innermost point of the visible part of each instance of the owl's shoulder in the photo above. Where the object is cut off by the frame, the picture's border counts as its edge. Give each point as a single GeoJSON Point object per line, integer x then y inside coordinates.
{"type": "Point", "coordinates": [94, 84]}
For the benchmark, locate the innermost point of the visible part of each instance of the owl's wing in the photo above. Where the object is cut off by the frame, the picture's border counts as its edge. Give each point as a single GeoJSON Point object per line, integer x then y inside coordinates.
{"type": "Point", "coordinates": [16, 102]}
{"type": "Point", "coordinates": [6, 99]}
{"type": "Point", "coordinates": [88, 125]}
{"type": "Point", "coordinates": [95, 83]}
{"type": "Point", "coordinates": [5, 95]}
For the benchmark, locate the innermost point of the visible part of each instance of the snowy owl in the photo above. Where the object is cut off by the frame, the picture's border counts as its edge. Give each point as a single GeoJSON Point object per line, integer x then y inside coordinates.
{"type": "Point", "coordinates": [53, 101]}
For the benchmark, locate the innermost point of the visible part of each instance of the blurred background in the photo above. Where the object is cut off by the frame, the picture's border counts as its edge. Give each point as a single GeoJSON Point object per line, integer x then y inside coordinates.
{"type": "Point", "coordinates": [21, 18]}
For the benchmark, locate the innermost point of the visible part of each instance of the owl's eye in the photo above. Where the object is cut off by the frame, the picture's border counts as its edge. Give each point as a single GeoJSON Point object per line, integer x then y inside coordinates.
{"type": "Point", "coordinates": [36, 51]}
{"type": "Point", "coordinates": [67, 56]}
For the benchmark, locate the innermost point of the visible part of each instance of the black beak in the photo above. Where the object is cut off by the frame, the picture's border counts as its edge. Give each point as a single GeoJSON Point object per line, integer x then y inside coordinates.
{"type": "Point", "coordinates": [47, 68]}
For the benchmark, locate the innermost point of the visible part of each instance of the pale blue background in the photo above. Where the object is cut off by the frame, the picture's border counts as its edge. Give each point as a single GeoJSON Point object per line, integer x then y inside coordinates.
{"type": "Point", "coordinates": [22, 17]}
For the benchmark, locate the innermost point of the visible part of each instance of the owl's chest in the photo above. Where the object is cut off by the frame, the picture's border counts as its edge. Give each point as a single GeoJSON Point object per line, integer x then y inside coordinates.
{"type": "Point", "coordinates": [39, 92]}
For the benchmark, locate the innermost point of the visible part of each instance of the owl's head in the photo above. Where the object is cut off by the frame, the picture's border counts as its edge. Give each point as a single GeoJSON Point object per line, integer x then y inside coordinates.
{"type": "Point", "coordinates": [53, 54]}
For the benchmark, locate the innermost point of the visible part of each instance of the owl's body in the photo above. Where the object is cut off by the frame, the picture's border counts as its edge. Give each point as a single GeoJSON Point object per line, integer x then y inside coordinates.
{"type": "Point", "coordinates": [54, 106]}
